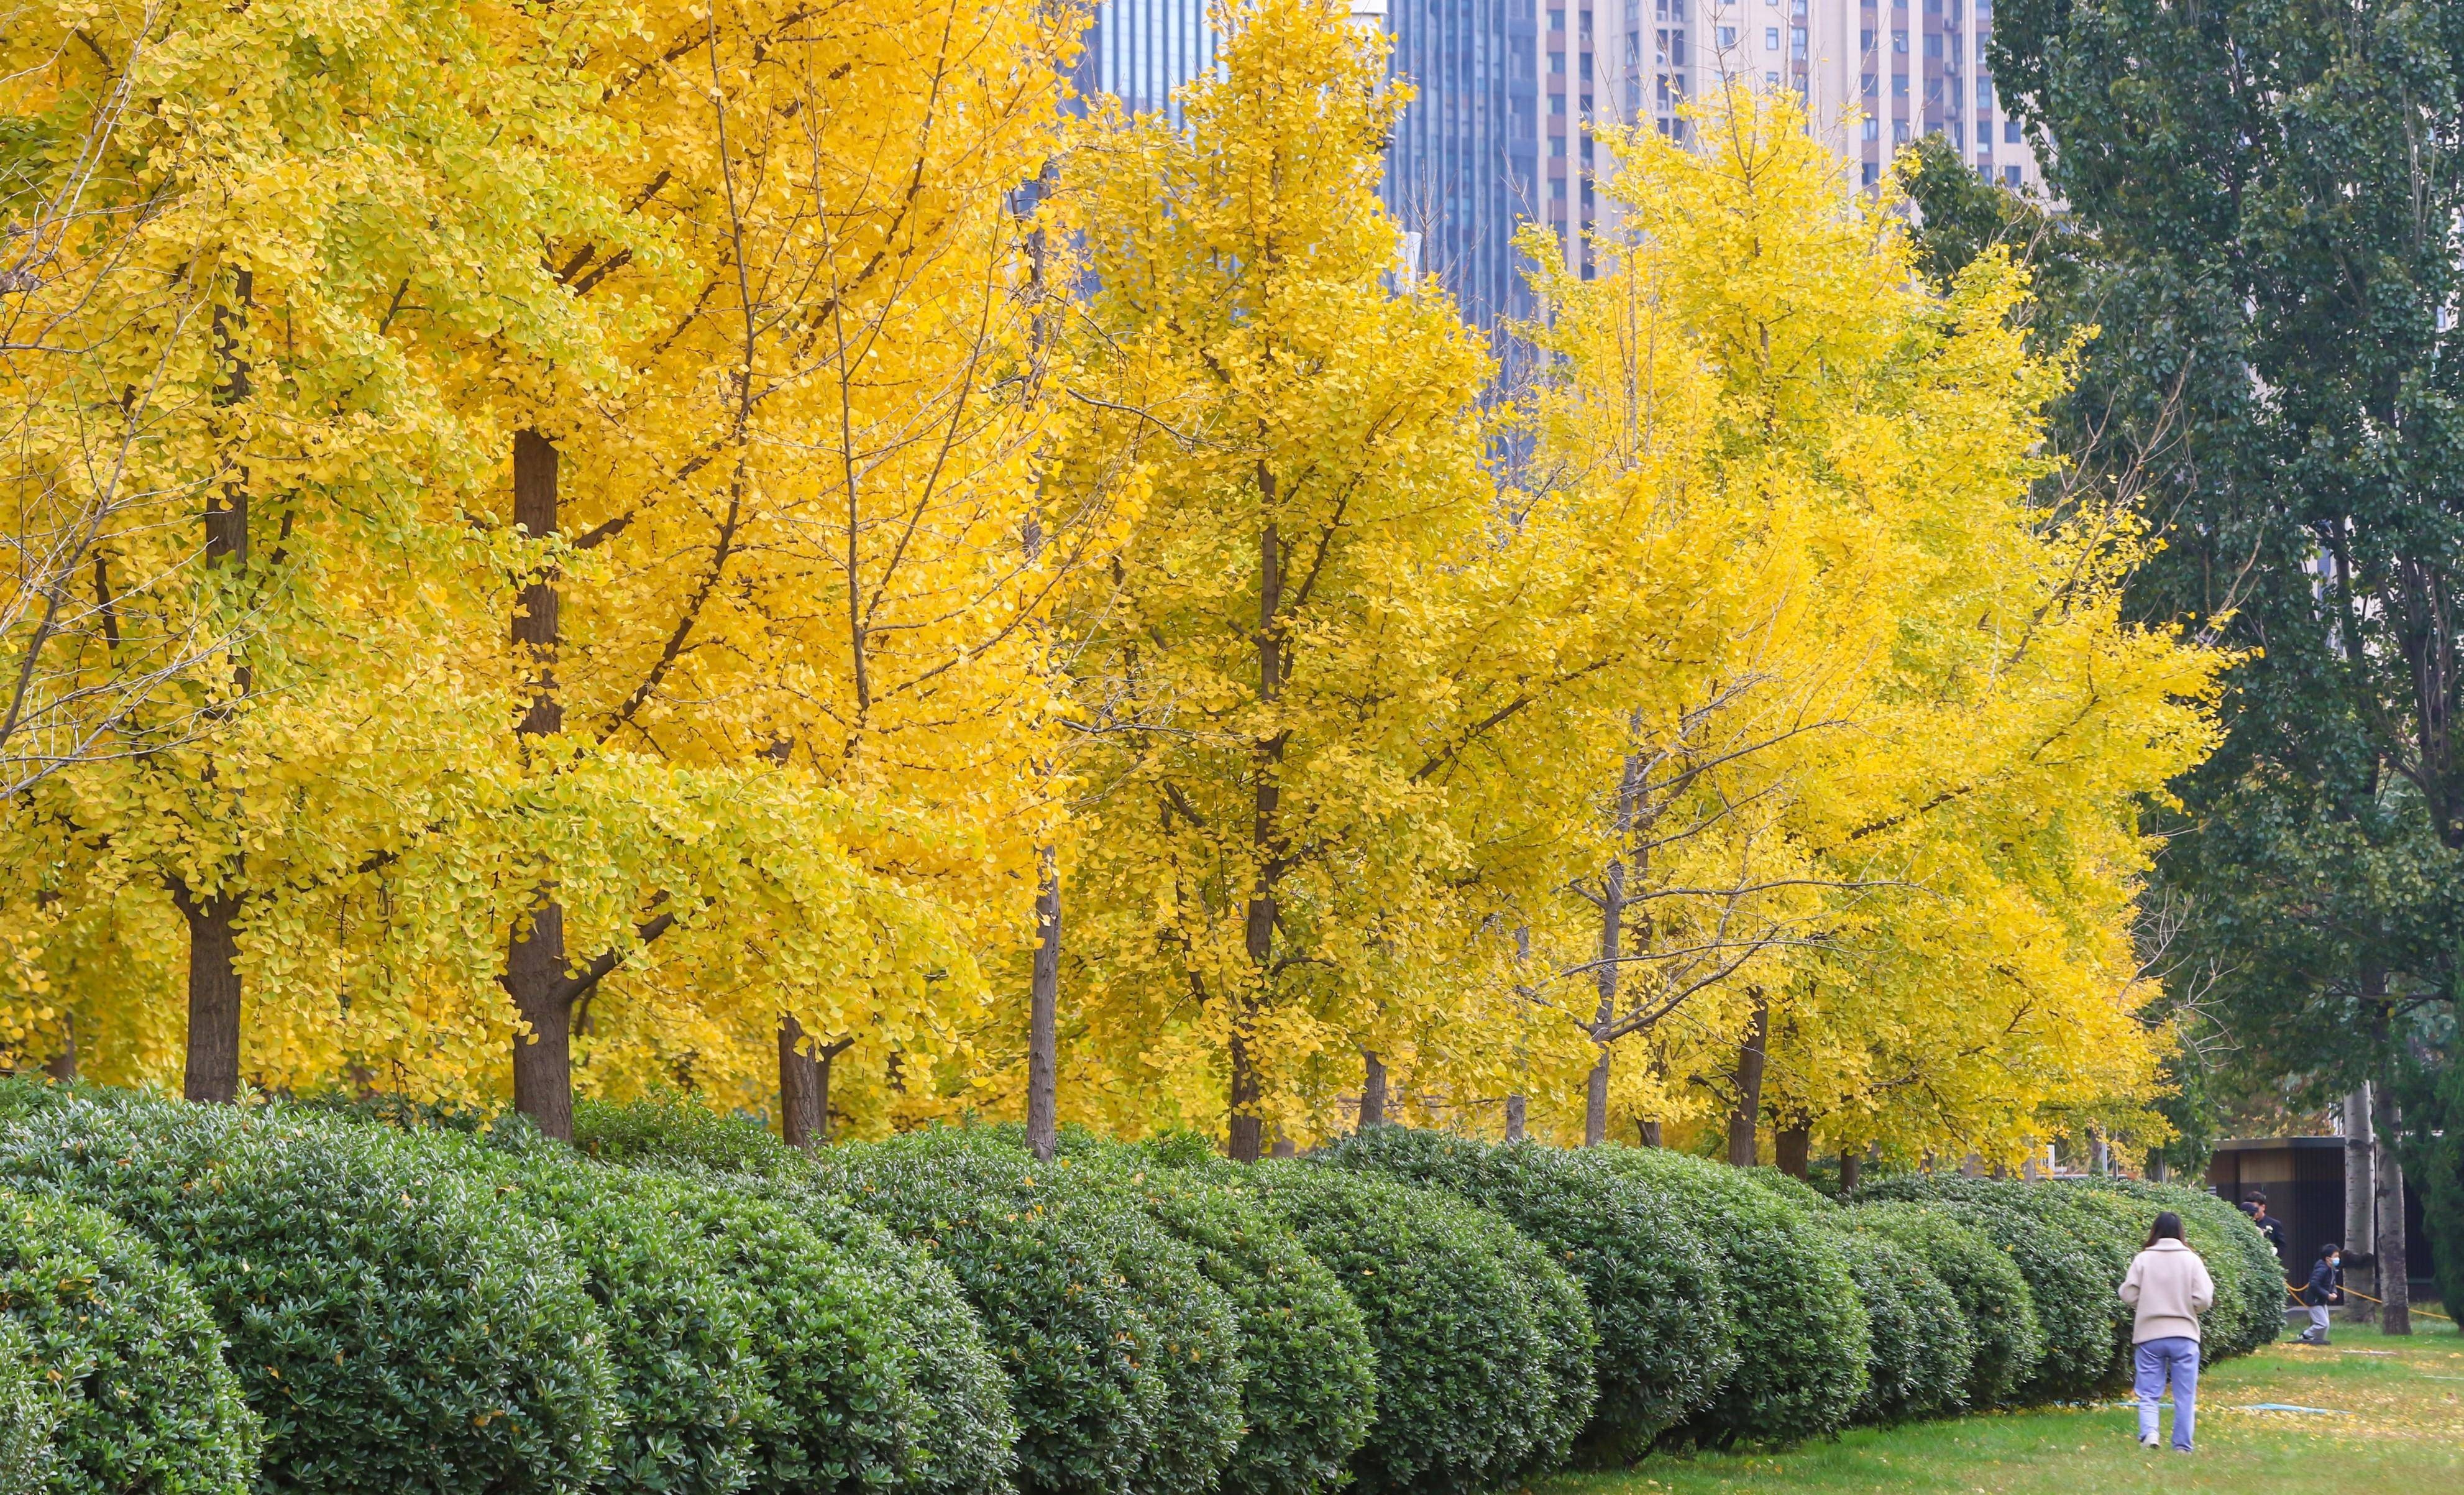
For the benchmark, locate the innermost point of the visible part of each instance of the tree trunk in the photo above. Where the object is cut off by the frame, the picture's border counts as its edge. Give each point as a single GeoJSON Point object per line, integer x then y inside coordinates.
{"type": "Point", "coordinates": [799, 1087]}
{"type": "Point", "coordinates": [1246, 1139]}
{"type": "Point", "coordinates": [1247, 1134]}
{"type": "Point", "coordinates": [1042, 1017]}
{"type": "Point", "coordinates": [2361, 1244]}
{"type": "Point", "coordinates": [1851, 1169]}
{"type": "Point", "coordinates": [213, 994]}
{"type": "Point", "coordinates": [1648, 1134]}
{"type": "Point", "coordinates": [543, 1056]}
{"type": "Point", "coordinates": [1746, 1113]}
{"type": "Point", "coordinates": [62, 1067]}
{"type": "Point", "coordinates": [1515, 1131]}
{"type": "Point", "coordinates": [1596, 1093]}
{"type": "Point", "coordinates": [823, 1060]}
{"type": "Point", "coordinates": [2157, 1170]}
{"type": "Point", "coordinates": [1284, 1147]}
{"type": "Point", "coordinates": [1791, 1148]}
{"type": "Point", "coordinates": [2395, 1289]}
{"type": "Point", "coordinates": [1372, 1093]}
{"type": "Point", "coordinates": [534, 960]}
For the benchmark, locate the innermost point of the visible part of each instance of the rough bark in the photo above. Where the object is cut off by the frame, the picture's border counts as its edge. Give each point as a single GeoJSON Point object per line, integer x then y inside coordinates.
{"type": "Point", "coordinates": [1648, 1134]}
{"type": "Point", "coordinates": [799, 1087]}
{"type": "Point", "coordinates": [1043, 1005]}
{"type": "Point", "coordinates": [62, 1067]}
{"type": "Point", "coordinates": [213, 994]}
{"type": "Point", "coordinates": [2361, 1182]}
{"type": "Point", "coordinates": [535, 959]}
{"type": "Point", "coordinates": [1515, 1106]}
{"type": "Point", "coordinates": [1792, 1149]}
{"type": "Point", "coordinates": [1247, 1134]}
{"type": "Point", "coordinates": [1372, 1092]}
{"type": "Point", "coordinates": [2395, 1292]}
{"type": "Point", "coordinates": [1851, 1171]}
{"type": "Point", "coordinates": [1746, 1111]}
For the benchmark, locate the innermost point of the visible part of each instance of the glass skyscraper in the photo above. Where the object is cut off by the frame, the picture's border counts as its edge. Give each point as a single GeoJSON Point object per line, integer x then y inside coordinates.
{"type": "Point", "coordinates": [1463, 169]}
{"type": "Point", "coordinates": [1141, 52]}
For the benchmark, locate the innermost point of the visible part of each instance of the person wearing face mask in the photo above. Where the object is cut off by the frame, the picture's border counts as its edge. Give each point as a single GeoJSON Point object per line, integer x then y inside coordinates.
{"type": "Point", "coordinates": [2325, 1277]}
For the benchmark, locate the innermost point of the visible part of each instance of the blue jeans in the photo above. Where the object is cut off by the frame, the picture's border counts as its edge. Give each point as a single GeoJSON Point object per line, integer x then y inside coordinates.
{"type": "Point", "coordinates": [2157, 1358]}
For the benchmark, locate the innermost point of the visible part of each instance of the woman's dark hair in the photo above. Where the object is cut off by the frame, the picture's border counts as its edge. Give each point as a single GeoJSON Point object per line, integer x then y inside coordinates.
{"type": "Point", "coordinates": [2167, 1227]}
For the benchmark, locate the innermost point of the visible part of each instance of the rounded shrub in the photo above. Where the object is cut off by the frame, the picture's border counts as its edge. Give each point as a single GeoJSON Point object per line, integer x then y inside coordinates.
{"type": "Point", "coordinates": [116, 1367]}
{"type": "Point", "coordinates": [1482, 1375]}
{"type": "Point", "coordinates": [676, 1131]}
{"type": "Point", "coordinates": [29, 1413]}
{"type": "Point", "coordinates": [2249, 1276]}
{"type": "Point", "coordinates": [1919, 1349]}
{"type": "Point", "coordinates": [1123, 1359]}
{"type": "Point", "coordinates": [1801, 1333]}
{"type": "Point", "coordinates": [394, 1320]}
{"type": "Point", "coordinates": [1309, 1375]}
{"type": "Point", "coordinates": [1666, 1341]}
{"type": "Point", "coordinates": [964, 1439]}
{"type": "Point", "coordinates": [2073, 1254]}
{"type": "Point", "coordinates": [689, 1385]}
{"type": "Point", "coordinates": [2005, 1339]}
{"type": "Point", "coordinates": [840, 1412]}
{"type": "Point", "coordinates": [961, 1435]}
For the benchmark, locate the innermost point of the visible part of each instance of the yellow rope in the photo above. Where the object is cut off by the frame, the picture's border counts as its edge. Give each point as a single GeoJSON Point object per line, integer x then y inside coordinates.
{"type": "Point", "coordinates": [2295, 1293]}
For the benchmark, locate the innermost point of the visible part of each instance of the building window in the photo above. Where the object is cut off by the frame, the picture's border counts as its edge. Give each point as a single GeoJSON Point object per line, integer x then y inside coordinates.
{"type": "Point", "coordinates": [2010, 177]}
{"type": "Point", "coordinates": [1557, 147]}
{"type": "Point", "coordinates": [1873, 128]}
{"type": "Point", "coordinates": [1556, 21]}
{"type": "Point", "coordinates": [1771, 80]}
{"type": "Point", "coordinates": [1899, 42]}
{"type": "Point", "coordinates": [1873, 172]}
{"type": "Point", "coordinates": [1770, 38]}
{"type": "Point", "coordinates": [1557, 62]}
{"type": "Point", "coordinates": [1984, 93]}
{"type": "Point", "coordinates": [1869, 85]}
{"type": "Point", "coordinates": [1797, 42]}
{"type": "Point", "coordinates": [1865, 40]}
{"type": "Point", "coordinates": [1727, 37]}
{"type": "Point", "coordinates": [1899, 132]}
{"type": "Point", "coordinates": [1898, 85]}
{"type": "Point", "coordinates": [2010, 132]}
{"type": "Point", "coordinates": [1933, 44]}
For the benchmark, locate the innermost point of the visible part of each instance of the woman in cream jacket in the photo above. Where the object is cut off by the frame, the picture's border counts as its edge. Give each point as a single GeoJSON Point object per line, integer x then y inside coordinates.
{"type": "Point", "coordinates": [2170, 1287]}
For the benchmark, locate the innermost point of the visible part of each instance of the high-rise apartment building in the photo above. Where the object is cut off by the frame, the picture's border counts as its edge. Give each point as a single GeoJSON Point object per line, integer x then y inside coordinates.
{"type": "Point", "coordinates": [1902, 69]}
{"type": "Point", "coordinates": [1507, 93]}
{"type": "Point", "coordinates": [1460, 172]}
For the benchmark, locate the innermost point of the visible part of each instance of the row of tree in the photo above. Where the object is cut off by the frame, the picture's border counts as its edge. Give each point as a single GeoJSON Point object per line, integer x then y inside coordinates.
{"type": "Point", "coordinates": [772, 551]}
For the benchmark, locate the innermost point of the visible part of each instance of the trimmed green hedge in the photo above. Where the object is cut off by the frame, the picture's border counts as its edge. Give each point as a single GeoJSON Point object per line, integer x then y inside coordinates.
{"type": "Point", "coordinates": [29, 1413]}
{"type": "Point", "coordinates": [965, 1440]}
{"type": "Point", "coordinates": [1994, 1304]}
{"type": "Point", "coordinates": [954, 1396]}
{"type": "Point", "coordinates": [1483, 1349]}
{"type": "Point", "coordinates": [1801, 1332]}
{"type": "Point", "coordinates": [1666, 1341]}
{"type": "Point", "coordinates": [2249, 1277]}
{"type": "Point", "coordinates": [2072, 1252]}
{"type": "Point", "coordinates": [394, 1321]}
{"type": "Point", "coordinates": [672, 1132]}
{"type": "Point", "coordinates": [116, 1379]}
{"type": "Point", "coordinates": [692, 1388]}
{"type": "Point", "coordinates": [1310, 1386]}
{"type": "Point", "coordinates": [1124, 1359]}
{"type": "Point", "coordinates": [1920, 1351]}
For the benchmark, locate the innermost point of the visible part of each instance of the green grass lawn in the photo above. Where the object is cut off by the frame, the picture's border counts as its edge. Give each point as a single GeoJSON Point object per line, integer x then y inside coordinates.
{"type": "Point", "coordinates": [2396, 1428]}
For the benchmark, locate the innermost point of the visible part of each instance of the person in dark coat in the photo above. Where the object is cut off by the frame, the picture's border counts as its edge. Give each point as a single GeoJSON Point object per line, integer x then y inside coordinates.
{"type": "Point", "coordinates": [2269, 1226]}
{"type": "Point", "coordinates": [2326, 1278]}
